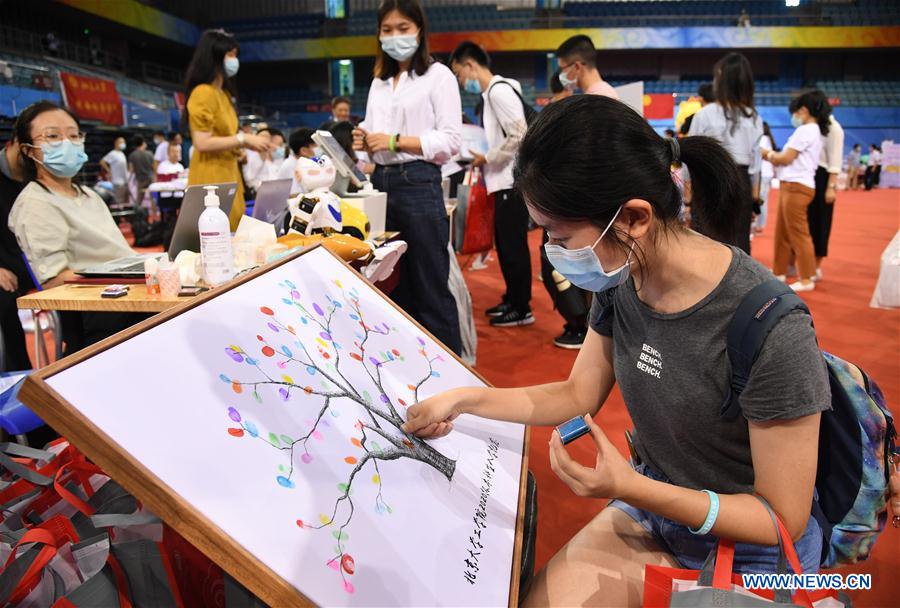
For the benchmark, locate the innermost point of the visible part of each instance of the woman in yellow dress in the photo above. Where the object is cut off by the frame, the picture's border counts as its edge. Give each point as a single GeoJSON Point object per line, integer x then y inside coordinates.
{"type": "Point", "coordinates": [212, 119]}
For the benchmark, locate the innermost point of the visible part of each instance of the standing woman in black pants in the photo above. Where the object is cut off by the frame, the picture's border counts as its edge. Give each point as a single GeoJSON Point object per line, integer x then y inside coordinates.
{"type": "Point", "coordinates": [413, 125]}
{"type": "Point", "coordinates": [734, 122]}
{"type": "Point", "coordinates": [821, 210]}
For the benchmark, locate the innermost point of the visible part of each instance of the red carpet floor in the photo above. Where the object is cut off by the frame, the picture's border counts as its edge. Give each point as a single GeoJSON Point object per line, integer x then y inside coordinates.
{"type": "Point", "coordinates": [864, 223]}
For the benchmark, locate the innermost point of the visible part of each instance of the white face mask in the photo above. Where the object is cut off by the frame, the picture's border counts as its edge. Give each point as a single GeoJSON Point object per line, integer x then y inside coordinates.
{"type": "Point", "coordinates": [569, 83]}
{"type": "Point", "coordinates": [401, 47]}
{"type": "Point", "coordinates": [583, 268]}
{"type": "Point", "coordinates": [795, 121]}
{"type": "Point", "coordinates": [121, 147]}
{"type": "Point", "coordinates": [232, 65]}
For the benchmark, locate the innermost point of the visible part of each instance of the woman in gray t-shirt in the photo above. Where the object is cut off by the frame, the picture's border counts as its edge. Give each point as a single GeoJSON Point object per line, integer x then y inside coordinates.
{"type": "Point", "coordinates": [664, 298]}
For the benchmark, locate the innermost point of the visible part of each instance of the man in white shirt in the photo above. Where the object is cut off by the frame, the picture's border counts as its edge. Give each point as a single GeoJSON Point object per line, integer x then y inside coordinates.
{"type": "Point", "coordinates": [302, 146]}
{"type": "Point", "coordinates": [162, 150]}
{"type": "Point", "coordinates": [505, 125]}
{"type": "Point", "coordinates": [116, 167]}
{"type": "Point", "coordinates": [873, 167]}
{"type": "Point", "coordinates": [578, 67]}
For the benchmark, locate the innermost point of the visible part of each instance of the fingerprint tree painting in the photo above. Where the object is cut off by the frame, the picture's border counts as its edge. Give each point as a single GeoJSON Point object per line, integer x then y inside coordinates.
{"type": "Point", "coordinates": [298, 361]}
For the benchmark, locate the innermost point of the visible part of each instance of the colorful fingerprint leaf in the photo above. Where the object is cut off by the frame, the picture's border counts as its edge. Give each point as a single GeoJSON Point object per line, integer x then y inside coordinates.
{"type": "Point", "coordinates": [234, 414]}
{"type": "Point", "coordinates": [236, 432]}
{"type": "Point", "coordinates": [285, 394]}
{"type": "Point", "coordinates": [237, 388]}
{"type": "Point", "coordinates": [341, 536]}
{"type": "Point", "coordinates": [266, 310]}
{"type": "Point", "coordinates": [251, 428]}
{"type": "Point", "coordinates": [324, 518]}
{"type": "Point", "coordinates": [350, 460]}
{"type": "Point", "coordinates": [273, 439]}
{"type": "Point", "coordinates": [286, 440]}
{"type": "Point", "coordinates": [224, 378]}
{"type": "Point", "coordinates": [268, 351]}
{"type": "Point", "coordinates": [284, 482]}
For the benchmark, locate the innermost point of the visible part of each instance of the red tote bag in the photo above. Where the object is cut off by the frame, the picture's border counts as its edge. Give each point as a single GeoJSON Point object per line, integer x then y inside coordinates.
{"type": "Point", "coordinates": [478, 207]}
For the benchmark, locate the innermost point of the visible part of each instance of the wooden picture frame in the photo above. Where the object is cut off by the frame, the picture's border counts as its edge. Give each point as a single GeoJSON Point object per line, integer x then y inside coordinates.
{"type": "Point", "coordinates": [160, 498]}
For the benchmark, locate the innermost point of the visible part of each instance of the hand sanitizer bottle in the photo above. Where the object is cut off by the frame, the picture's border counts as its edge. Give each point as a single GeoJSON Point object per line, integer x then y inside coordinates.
{"type": "Point", "coordinates": [215, 241]}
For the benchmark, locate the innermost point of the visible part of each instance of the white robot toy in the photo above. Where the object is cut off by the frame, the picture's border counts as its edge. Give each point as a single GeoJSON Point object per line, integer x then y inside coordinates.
{"type": "Point", "coordinates": [319, 209]}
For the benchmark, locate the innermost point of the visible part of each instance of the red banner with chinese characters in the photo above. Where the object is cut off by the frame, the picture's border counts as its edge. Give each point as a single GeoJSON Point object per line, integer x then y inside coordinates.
{"type": "Point", "coordinates": [659, 105]}
{"type": "Point", "coordinates": [92, 98]}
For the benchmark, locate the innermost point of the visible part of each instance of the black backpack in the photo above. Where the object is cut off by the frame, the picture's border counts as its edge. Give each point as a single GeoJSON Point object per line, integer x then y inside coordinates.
{"type": "Point", "coordinates": [530, 113]}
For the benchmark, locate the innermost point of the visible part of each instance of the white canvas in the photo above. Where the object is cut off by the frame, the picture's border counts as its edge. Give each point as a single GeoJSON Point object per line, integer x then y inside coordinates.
{"type": "Point", "coordinates": [215, 403]}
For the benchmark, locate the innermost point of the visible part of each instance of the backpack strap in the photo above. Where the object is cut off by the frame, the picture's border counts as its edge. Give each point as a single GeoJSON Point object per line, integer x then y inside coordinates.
{"type": "Point", "coordinates": [488, 96]}
{"type": "Point", "coordinates": [758, 313]}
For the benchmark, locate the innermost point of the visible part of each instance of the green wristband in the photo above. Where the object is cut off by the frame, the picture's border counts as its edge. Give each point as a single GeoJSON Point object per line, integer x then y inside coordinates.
{"type": "Point", "coordinates": [392, 143]}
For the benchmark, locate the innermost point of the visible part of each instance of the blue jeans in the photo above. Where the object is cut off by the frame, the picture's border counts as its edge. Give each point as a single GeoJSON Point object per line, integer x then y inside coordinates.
{"type": "Point", "coordinates": [691, 550]}
{"type": "Point", "coordinates": [415, 208]}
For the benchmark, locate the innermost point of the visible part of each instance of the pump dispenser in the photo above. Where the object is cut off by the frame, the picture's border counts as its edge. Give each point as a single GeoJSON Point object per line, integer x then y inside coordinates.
{"type": "Point", "coordinates": [215, 241]}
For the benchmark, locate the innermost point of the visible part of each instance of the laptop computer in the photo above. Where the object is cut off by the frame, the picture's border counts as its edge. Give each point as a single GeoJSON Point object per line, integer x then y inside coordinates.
{"type": "Point", "coordinates": [185, 237]}
{"type": "Point", "coordinates": [271, 200]}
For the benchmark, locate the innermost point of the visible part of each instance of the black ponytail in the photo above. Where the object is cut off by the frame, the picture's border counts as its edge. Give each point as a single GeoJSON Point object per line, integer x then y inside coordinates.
{"type": "Point", "coordinates": [587, 155]}
{"type": "Point", "coordinates": [721, 194]}
{"type": "Point", "coordinates": [816, 103]}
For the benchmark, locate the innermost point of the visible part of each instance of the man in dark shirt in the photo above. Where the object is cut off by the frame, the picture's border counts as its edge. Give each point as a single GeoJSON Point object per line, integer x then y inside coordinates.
{"type": "Point", "coordinates": [14, 277]}
{"type": "Point", "coordinates": [140, 163]}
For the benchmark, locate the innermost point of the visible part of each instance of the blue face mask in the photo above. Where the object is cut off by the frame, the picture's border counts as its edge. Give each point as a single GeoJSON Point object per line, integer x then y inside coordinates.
{"type": "Point", "coordinates": [583, 268]}
{"type": "Point", "coordinates": [64, 159]}
{"type": "Point", "coordinates": [278, 154]}
{"type": "Point", "coordinates": [400, 48]}
{"type": "Point", "coordinates": [472, 86]}
{"type": "Point", "coordinates": [231, 65]}
{"type": "Point", "coordinates": [795, 121]}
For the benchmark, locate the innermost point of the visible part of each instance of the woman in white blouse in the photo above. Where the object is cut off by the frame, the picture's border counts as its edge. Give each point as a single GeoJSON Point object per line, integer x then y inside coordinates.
{"type": "Point", "coordinates": [734, 122]}
{"type": "Point", "coordinates": [413, 125]}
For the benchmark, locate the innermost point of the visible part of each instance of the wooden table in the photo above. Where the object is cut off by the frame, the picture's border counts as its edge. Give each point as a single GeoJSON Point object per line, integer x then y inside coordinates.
{"type": "Point", "coordinates": [86, 298]}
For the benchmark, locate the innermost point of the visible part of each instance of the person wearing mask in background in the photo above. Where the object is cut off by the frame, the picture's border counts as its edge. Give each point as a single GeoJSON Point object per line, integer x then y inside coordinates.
{"type": "Point", "coordinates": [853, 165]}
{"type": "Point", "coordinates": [735, 123]}
{"type": "Point", "coordinates": [412, 127]}
{"type": "Point", "coordinates": [14, 278]}
{"type": "Point", "coordinates": [578, 67]}
{"type": "Point", "coordinates": [340, 109]}
{"type": "Point", "coordinates": [873, 167]}
{"type": "Point", "coordinates": [212, 119]}
{"type": "Point", "coordinates": [115, 165]}
{"type": "Point", "coordinates": [767, 174]}
{"type": "Point", "coordinates": [821, 210]}
{"type": "Point", "coordinates": [504, 126]}
{"type": "Point", "coordinates": [140, 164]}
{"type": "Point", "coordinates": [158, 138]}
{"type": "Point", "coordinates": [302, 146]}
{"type": "Point", "coordinates": [63, 227]}
{"type": "Point", "coordinates": [557, 90]}
{"type": "Point", "coordinates": [665, 290]}
{"type": "Point", "coordinates": [798, 161]}
{"type": "Point", "coordinates": [263, 166]}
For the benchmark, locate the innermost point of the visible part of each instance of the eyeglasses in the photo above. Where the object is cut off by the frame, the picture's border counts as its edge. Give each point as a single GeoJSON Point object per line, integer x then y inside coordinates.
{"type": "Point", "coordinates": [54, 136]}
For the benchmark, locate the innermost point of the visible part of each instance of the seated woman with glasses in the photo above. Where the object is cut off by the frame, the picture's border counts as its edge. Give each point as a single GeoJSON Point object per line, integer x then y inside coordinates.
{"type": "Point", "coordinates": [63, 227]}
